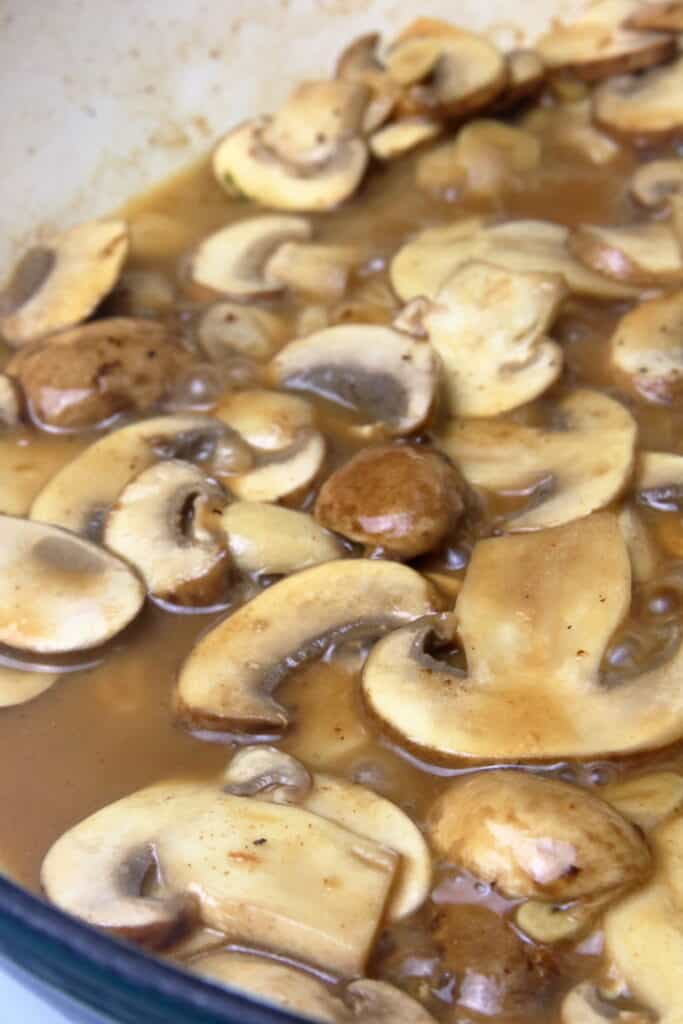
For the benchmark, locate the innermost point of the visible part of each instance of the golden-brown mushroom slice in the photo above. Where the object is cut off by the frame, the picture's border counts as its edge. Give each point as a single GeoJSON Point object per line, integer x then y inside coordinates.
{"type": "Point", "coordinates": [229, 329]}
{"type": "Point", "coordinates": [60, 282]}
{"type": "Point", "coordinates": [571, 127]}
{"type": "Point", "coordinates": [655, 182]}
{"type": "Point", "coordinates": [267, 539]}
{"type": "Point", "coordinates": [260, 872]}
{"type": "Point", "coordinates": [90, 373]}
{"type": "Point", "coordinates": [375, 370]}
{"type": "Point", "coordinates": [570, 470]}
{"type": "Point", "coordinates": [359, 62]}
{"type": "Point", "coordinates": [61, 593]}
{"type": "Point", "coordinates": [448, 72]}
{"type": "Point", "coordinates": [641, 254]}
{"type": "Point", "coordinates": [18, 686]}
{"type": "Point", "coordinates": [400, 137]}
{"type": "Point", "coordinates": [168, 524]}
{"type": "Point", "coordinates": [596, 44]}
{"type": "Point", "coordinates": [645, 349]}
{"type": "Point", "coordinates": [422, 265]}
{"type": "Point", "coordinates": [536, 838]}
{"type": "Point", "coordinates": [486, 157]}
{"type": "Point", "coordinates": [227, 680]}
{"type": "Point", "coordinates": [320, 271]}
{"type": "Point", "coordinates": [532, 690]}
{"type": "Point", "coordinates": [366, 1001]}
{"type": "Point", "coordinates": [666, 16]}
{"type": "Point", "coordinates": [489, 327]}
{"type": "Point", "coordinates": [645, 106]}
{"type": "Point", "coordinates": [233, 261]}
{"type": "Point", "coordinates": [646, 800]}
{"type": "Point", "coordinates": [309, 156]}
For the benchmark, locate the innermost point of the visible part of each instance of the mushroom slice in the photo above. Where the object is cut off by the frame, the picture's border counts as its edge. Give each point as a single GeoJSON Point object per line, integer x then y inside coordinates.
{"type": "Point", "coordinates": [642, 105]}
{"type": "Point", "coordinates": [646, 800]}
{"type": "Point", "coordinates": [642, 550]}
{"type": "Point", "coordinates": [584, 1005]}
{"type": "Point", "coordinates": [645, 349]}
{"type": "Point", "coordinates": [61, 593]}
{"type": "Point", "coordinates": [399, 137]}
{"type": "Point", "coordinates": [10, 410]}
{"type": "Point", "coordinates": [596, 45]}
{"type": "Point", "coordinates": [260, 872]}
{"type": "Point", "coordinates": [280, 431]}
{"type": "Point", "coordinates": [536, 838]}
{"type": "Point", "coordinates": [167, 523]}
{"type": "Point", "coordinates": [371, 369]}
{"type": "Point", "coordinates": [232, 262]}
{"type": "Point", "coordinates": [655, 182]}
{"type": "Point", "coordinates": [489, 327]}
{"type": "Point", "coordinates": [19, 687]}
{"type": "Point", "coordinates": [532, 690]}
{"type": "Point", "coordinates": [279, 778]}
{"type": "Point", "coordinates": [657, 17]}
{"type": "Point", "coordinates": [485, 157]}
{"type": "Point", "coordinates": [644, 931]}
{"type": "Point", "coordinates": [452, 73]}
{"type": "Point", "coordinates": [572, 469]}
{"type": "Point", "coordinates": [318, 270]}
{"type": "Point", "coordinates": [643, 254]}
{"type": "Point", "coordinates": [422, 266]}
{"type": "Point", "coordinates": [571, 127]}
{"type": "Point", "coordinates": [226, 682]}
{"type": "Point", "coordinates": [79, 495]}
{"type": "Point", "coordinates": [60, 282]}
{"type": "Point", "coordinates": [558, 922]}
{"type": "Point", "coordinates": [227, 329]}
{"type": "Point", "coordinates": [366, 1001]}
{"type": "Point", "coordinates": [526, 75]}
{"type": "Point", "coordinates": [268, 539]}
{"type": "Point", "coordinates": [359, 63]}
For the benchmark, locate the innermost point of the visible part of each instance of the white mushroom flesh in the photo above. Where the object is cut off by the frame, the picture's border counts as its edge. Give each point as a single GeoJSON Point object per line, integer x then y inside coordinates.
{"type": "Point", "coordinates": [642, 106]}
{"type": "Point", "coordinates": [268, 539]}
{"type": "Point", "coordinates": [642, 254]}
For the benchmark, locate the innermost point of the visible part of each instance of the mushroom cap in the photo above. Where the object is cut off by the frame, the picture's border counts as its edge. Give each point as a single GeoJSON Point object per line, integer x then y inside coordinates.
{"type": "Point", "coordinates": [88, 374]}
{"type": "Point", "coordinates": [18, 686]}
{"type": "Point", "coordinates": [532, 690]}
{"type": "Point", "coordinates": [489, 326]}
{"type": "Point", "coordinates": [596, 45]}
{"type": "Point", "coordinates": [369, 1001]}
{"type": "Point", "coordinates": [60, 282]}
{"type": "Point", "coordinates": [167, 523]}
{"type": "Point", "coordinates": [59, 592]}
{"type": "Point", "coordinates": [232, 261]}
{"type": "Point", "coordinates": [399, 137]}
{"type": "Point", "coordinates": [642, 105]}
{"type": "Point", "coordinates": [421, 266]}
{"type": "Point", "coordinates": [381, 372]}
{"type": "Point", "coordinates": [318, 270]}
{"type": "Point", "coordinates": [654, 182]}
{"type": "Point", "coordinates": [213, 865]}
{"type": "Point", "coordinates": [534, 837]}
{"type": "Point", "coordinates": [574, 469]}
{"type": "Point", "coordinates": [78, 496]}
{"type": "Point", "coordinates": [227, 680]}
{"type": "Point", "coordinates": [268, 539]}
{"type": "Point", "coordinates": [645, 348]}
{"type": "Point", "coordinates": [244, 158]}
{"type": "Point", "coordinates": [227, 329]}
{"type": "Point", "coordinates": [641, 254]}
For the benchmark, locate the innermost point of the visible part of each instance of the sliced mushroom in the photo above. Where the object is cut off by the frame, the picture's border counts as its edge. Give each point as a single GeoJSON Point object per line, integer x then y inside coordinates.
{"type": "Point", "coordinates": [559, 922]}
{"type": "Point", "coordinates": [536, 838]}
{"type": "Point", "coordinates": [645, 106]}
{"type": "Point", "coordinates": [596, 44]}
{"type": "Point", "coordinates": [645, 349]}
{"type": "Point", "coordinates": [309, 156]}
{"type": "Point", "coordinates": [167, 523]}
{"type": "Point", "coordinates": [19, 687]}
{"type": "Point", "coordinates": [642, 254]}
{"type": "Point", "coordinates": [280, 431]}
{"type": "Point", "coordinates": [369, 1002]}
{"type": "Point", "coordinates": [272, 540]}
{"type": "Point", "coordinates": [227, 680]}
{"type": "Point", "coordinates": [646, 800]}
{"type": "Point", "coordinates": [532, 690]}
{"type": "Point", "coordinates": [233, 261]}
{"type": "Point", "coordinates": [318, 270]}
{"type": "Point", "coordinates": [642, 549]}
{"type": "Point", "coordinates": [489, 327]}
{"type": "Point", "coordinates": [526, 75]}
{"type": "Point", "coordinates": [270, 775]}
{"type": "Point", "coordinates": [570, 469]}
{"type": "Point", "coordinates": [371, 369]}
{"type": "Point", "coordinates": [583, 1005]}
{"type": "Point", "coordinates": [10, 409]}
{"type": "Point", "coordinates": [60, 282]}
{"type": "Point", "coordinates": [275, 876]}
{"type": "Point", "coordinates": [400, 499]}
{"type": "Point", "coordinates": [655, 182]}
{"type": "Point", "coordinates": [485, 158]}
{"type": "Point", "coordinates": [657, 17]}
{"type": "Point", "coordinates": [90, 373]}
{"type": "Point", "coordinates": [61, 593]}
{"type": "Point", "coordinates": [79, 495]}
{"type": "Point", "coordinates": [422, 265]}
{"type": "Point", "coordinates": [227, 329]}
{"type": "Point", "coordinates": [450, 72]}
{"type": "Point", "coordinates": [571, 127]}
{"type": "Point", "coordinates": [399, 137]}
